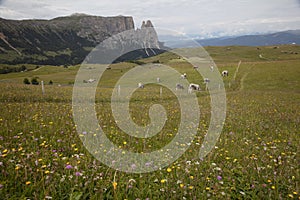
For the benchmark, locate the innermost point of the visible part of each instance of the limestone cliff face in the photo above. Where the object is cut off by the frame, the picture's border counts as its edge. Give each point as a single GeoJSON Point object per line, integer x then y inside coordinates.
{"type": "Point", "coordinates": [63, 40]}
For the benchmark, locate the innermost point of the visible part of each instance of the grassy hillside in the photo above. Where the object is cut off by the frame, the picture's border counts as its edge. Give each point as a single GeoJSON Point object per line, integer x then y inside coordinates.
{"type": "Point", "coordinates": [256, 157]}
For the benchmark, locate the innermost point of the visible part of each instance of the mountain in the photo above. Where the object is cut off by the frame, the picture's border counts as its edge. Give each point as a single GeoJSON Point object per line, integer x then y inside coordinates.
{"type": "Point", "coordinates": [66, 40]}
{"type": "Point", "coordinates": [183, 41]}
{"type": "Point", "coordinates": [285, 37]}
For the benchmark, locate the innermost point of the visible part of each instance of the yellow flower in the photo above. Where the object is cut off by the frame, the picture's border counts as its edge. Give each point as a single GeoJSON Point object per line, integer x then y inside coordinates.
{"type": "Point", "coordinates": [124, 142]}
{"type": "Point", "coordinates": [269, 181]}
{"type": "Point", "coordinates": [181, 185]}
{"type": "Point", "coordinates": [191, 177]}
{"type": "Point", "coordinates": [169, 169]}
{"type": "Point", "coordinates": [191, 187]}
{"type": "Point", "coordinates": [115, 185]}
{"type": "Point", "coordinates": [273, 187]}
{"type": "Point", "coordinates": [291, 196]}
{"type": "Point", "coordinates": [4, 151]}
{"type": "Point", "coordinates": [17, 168]}
{"type": "Point", "coordinates": [207, 188]}
{"type": "Point", "coordinates": [163, 180]}
{"type": "Point", "coordinates": [47, 172]}
{"type": "Point", "coordinates": [27, 182]}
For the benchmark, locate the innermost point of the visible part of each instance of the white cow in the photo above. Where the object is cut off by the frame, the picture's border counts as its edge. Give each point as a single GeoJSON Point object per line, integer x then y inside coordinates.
{"type": "Point", "coordinates": [183, 76]}
{"type": "Point", "coordinates": [89, 81]}
{"type": "Point", "coordinates": [158, 79]}
{"type": "Point", "coordinates": [194, 87]}
{"type": "Point", "coordinates": [225, 73]}
{"type": "Point", "coordinates": [140, 85]}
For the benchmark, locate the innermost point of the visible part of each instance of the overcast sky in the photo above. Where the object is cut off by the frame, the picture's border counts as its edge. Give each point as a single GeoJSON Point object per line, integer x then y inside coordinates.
{"type": "Point", "coordinates": [202, 17]}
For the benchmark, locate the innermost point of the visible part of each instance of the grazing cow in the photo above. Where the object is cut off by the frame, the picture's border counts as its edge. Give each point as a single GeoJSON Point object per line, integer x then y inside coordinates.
{"type": "Point", "coordinates": [89, 81]}
{"type": "Point", "coordinates": [206, 80]}
{"type": "Point", "coordinates": [194, 87]}
{"type": "Point", "coordinates": [225, 73]}
{"type": "Point", "coordinates": [183, 76]}
{"type": "Point", "coordinates": [179, 86]}
{"type": "Point", "coordinates": [158, 79]}
{"type": "Point", "coordinates": [140, 85]}
{"type": "Point", "coordinates": [212, 68]}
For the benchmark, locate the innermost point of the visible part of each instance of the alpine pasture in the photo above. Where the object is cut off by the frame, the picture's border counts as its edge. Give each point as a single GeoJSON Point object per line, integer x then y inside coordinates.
{"type": "Point", "coordinates": [256, 156]}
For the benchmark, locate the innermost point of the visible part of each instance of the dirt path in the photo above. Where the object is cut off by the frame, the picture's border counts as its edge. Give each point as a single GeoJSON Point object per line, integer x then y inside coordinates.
{"type": "Point", "coordinates": [236, 71]}
{"type": "Point", "coordinates": [244, 77]}
{"type": "Point", "coordinates": [37, 69]}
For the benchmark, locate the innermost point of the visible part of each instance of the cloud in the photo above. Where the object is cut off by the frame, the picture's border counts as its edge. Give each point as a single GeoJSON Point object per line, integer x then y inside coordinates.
{"type": "Point", "coordinates": [189, 16]}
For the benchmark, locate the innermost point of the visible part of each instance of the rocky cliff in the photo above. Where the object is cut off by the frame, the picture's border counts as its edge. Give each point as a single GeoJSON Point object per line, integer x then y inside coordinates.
{"type": "Point", "coordinates": [65, 40]}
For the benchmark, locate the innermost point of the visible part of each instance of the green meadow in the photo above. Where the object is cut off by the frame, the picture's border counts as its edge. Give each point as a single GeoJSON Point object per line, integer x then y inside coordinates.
{"type": "Point", "coordinates": [256, 156]}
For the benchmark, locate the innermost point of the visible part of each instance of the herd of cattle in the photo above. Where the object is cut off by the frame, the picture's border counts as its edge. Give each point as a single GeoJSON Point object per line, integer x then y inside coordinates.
{"type": "Point", "coordinates": [192, 86]}
{"type": "Point", "coordinates": [179, 86]}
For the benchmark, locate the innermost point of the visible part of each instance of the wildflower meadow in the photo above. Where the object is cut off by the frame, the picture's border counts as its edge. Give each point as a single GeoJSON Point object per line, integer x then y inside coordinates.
{"type": "Point", "coordinates": [256, 157]}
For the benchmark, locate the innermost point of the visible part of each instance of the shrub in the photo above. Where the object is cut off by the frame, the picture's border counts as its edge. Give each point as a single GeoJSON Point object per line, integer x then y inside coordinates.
{"type": "Point", "coordinates": [26, 81]}
{"type": "Point", "coordinates": [34, 81]}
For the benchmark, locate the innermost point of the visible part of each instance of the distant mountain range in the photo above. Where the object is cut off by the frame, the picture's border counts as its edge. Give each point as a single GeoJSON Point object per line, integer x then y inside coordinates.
{"type": "Point", "coordinates": [278, 38]}
{"type": "Point", "coordinates": [284, 37]}
{"type": "Point", "coordinates": [68, 40]}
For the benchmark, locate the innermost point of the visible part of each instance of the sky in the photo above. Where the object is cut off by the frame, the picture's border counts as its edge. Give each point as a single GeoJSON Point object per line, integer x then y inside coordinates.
{"type": "Point", "coordinates": [203, 18]}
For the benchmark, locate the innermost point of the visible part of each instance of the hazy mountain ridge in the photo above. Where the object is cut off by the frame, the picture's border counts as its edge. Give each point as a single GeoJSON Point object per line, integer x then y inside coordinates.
{"type": "Point", "coordinates": [278, 38]}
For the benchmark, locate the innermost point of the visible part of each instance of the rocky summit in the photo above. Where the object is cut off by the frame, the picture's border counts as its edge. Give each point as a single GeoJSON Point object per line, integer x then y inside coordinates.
{"type": "Point", "coordinates": [68, 40]}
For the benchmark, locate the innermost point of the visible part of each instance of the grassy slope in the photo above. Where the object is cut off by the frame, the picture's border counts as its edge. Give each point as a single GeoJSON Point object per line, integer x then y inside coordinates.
{"type": "Point", "coordinates": [257, 155]}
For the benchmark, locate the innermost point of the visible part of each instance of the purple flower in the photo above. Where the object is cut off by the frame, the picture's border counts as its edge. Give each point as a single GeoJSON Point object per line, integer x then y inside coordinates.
{"type": "Point", "coordinates": [78, 174]}
{"type": "Point", "coordinates": [133, 166]}
{"type": "Point", "coordinates": [219, 178]}
{"type": "Point", "coordinates": [84, 132]}
{"type": "Point", "coordinates": [69, 167]}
